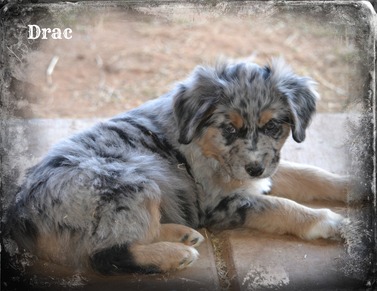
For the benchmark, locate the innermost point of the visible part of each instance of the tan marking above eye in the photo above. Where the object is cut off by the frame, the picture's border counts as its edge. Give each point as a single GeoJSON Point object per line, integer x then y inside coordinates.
{"type": "Point", "coordinates": [236, 119]}
{"type": "Point", "coordinates": [265, 117]}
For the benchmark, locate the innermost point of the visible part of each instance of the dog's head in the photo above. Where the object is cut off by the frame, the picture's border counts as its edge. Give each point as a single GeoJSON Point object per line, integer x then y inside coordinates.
{"type": "Point", "coordinates": [241, 114]}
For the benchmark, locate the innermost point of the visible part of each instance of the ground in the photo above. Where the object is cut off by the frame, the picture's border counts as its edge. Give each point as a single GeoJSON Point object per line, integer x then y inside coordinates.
{"type": "Point", "coordinates": [116, 61]}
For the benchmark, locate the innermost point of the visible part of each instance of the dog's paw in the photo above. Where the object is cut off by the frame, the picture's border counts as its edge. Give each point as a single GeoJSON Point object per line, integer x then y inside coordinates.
{"type": "Point", "coordinates": [180, 233]}
{"type": "Point", "coordinates": [328, 225]}
{"type": "Point", "coordinates": [189, 256]}
{"type": "Point", "coordinates": [192, 238]}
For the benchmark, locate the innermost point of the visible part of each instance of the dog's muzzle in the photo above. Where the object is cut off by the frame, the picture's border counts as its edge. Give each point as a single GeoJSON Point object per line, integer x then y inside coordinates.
{"type": "Point", "coordinates": [254, 169]}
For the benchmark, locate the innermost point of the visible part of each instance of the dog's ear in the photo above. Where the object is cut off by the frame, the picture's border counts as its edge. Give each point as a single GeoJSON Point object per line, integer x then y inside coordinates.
{"type": "Point", "coordinates": [301, 99]}
{"type": "Point", "coordinates": [299, 94]}
{"type": "Point", "coordinates": [194, 102]}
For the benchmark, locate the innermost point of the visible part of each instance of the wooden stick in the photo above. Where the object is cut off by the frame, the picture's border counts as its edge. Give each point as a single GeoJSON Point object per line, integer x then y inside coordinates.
{"type": "Point", "coordinates": [50, 69]}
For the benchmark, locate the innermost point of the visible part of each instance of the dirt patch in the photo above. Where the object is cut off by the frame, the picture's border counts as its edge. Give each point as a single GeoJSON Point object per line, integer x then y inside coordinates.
{"type": "Point", "coordinates": [118, 60]}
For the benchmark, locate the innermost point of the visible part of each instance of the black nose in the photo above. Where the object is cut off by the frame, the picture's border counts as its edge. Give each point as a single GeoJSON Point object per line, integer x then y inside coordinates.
{"type": "Point", "coordinates": [254, 169]}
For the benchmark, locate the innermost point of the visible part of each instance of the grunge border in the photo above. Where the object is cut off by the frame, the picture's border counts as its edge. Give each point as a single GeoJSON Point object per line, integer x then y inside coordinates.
{"type": "Point", "coordinates": [358, 16]}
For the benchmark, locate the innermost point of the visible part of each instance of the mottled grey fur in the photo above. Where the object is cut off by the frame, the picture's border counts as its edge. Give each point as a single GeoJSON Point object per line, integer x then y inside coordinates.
{"type": "Point", "coordinates": [89, 191]}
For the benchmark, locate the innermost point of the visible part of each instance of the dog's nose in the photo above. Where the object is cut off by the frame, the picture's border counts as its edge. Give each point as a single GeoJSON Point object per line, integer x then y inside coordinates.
{"type": "Point", "coordinates": [254, 169]}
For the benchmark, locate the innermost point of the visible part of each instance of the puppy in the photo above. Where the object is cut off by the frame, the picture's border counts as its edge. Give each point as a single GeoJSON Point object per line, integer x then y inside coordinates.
{"type": "Point", "coordinates": [127, 194]}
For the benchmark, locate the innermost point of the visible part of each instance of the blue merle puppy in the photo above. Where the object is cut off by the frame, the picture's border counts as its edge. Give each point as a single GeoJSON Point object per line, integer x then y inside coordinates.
{"type": "Point", "coordinates": [127, 194]}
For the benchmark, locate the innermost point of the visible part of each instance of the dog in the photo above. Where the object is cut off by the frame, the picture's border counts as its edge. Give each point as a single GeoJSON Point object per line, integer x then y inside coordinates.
{"type": "Point", "coordinates": [127, 194]}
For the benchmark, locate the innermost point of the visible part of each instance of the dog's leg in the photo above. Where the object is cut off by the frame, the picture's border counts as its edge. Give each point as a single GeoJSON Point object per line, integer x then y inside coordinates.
{"type": "Point", "coordinates": [145, 258]}
{"type": "Point", "coordinates": [163, 248]}
{"type": "Point", "coordinates": [305, 183]}
{"type": "Point", "coordinates": [180, 233]}
{"type": "Point", "coordinates": [280, 215]}
{"type": "Point", "coordinates": [275, 215]}
{"type": "Point", "coordinates": [165, 256]}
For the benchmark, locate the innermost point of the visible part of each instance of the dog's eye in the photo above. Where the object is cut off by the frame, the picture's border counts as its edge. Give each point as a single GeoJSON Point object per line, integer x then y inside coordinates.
{"type": "Point", "coordinates": [230, 129]}
{"type": "Point", "coordinates": [271, 125]}
{"type": "Point", "coordinates": [271, 128]}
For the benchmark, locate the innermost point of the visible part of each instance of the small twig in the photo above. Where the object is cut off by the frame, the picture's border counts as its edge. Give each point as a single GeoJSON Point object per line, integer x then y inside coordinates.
{"type": "Point", "coordinates": [290, 39]}
{"type": "Point", "coordinates": [99, 61]}
{"type": "Point", "coordinates": [50, 69]}
{"type": "Point", "coordinates": [14, 54]}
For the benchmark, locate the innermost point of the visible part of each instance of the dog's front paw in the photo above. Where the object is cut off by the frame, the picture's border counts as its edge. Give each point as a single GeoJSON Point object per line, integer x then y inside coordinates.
{"type": "Point", "coordinates": [192, 238]}
{"type": "Point", "coordinates": [328, 225]}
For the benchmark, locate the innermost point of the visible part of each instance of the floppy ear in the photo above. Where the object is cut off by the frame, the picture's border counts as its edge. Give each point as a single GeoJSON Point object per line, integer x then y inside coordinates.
{"type": "Point", "coordinates": [194, 102]}
{"type": "Point", "coordinates": [299, 94]}
{"type": "Point", "coordinates": [301, 100]}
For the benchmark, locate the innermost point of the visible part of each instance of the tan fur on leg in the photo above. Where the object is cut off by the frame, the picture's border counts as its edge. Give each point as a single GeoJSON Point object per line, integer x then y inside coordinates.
{"type": "Point", "coordinates": [306, 183]}
{"type": "Point", "coordinates": [180, 233]}
{"type": "Point", "coordinates": [165, 256]}
{"type": "Point", "coordinates": [280, 215]}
